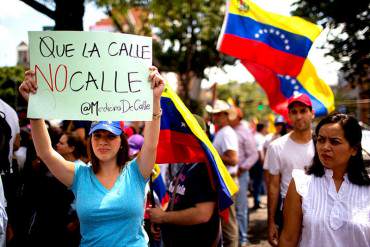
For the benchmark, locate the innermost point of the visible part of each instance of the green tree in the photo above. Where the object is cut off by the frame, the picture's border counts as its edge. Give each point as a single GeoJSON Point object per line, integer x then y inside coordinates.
{"type": "Point", "coordinates": [187, 34]}
{"type": "Point", "coordinates": [67, 14]}
{"type": "Point", "coordinates": [118, 11]}
{"type": "Point", "coordinates": [351, 45]}
{"type": "Point", "coordinates": [10, 79]}
{"type": "Point", "coordinates": [250, 97]}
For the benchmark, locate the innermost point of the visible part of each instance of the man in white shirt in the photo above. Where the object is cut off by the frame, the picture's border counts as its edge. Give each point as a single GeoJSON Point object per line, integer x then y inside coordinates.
{"type": "Point", "coordinates": [226, 144]}
{"type": "Point", "coordinates": [292, 151]}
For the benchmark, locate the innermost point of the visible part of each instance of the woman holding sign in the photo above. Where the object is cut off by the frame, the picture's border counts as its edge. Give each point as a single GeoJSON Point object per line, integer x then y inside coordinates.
{"type": "Point", "coordinates": [109, 193]}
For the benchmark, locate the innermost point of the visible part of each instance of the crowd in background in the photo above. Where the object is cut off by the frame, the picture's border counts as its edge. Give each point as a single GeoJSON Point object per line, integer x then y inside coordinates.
{"type": "Point", "coordinates": [40, 210]}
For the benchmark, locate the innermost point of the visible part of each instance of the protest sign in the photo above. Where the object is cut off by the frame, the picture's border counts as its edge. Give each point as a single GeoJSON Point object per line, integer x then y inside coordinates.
{"type": "Point", "coordinates": [90, 76]}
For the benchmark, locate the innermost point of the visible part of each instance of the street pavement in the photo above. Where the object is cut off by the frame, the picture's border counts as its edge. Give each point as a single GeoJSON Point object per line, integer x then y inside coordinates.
{"type": "Point", "coordinates": [257, 233]}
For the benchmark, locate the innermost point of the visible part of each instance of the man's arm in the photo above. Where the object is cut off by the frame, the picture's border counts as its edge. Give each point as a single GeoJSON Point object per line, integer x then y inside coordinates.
{"type": "Point", "coordinates": [201, 213]}
{"type": "Point", "coordinates": [230, 158]}
{"type": "Point", "coordinates": [266, 176]}
{"type": "Point", "coordinates": [273, 198]}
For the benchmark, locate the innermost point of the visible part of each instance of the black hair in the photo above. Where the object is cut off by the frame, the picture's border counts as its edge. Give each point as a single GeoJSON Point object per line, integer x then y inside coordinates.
{"type": "Point", "coordinates": [283, 130]}
{"type": "Point", "coordinates": [260, 127]}
{"type": "Point", "coordinates": [356, 169]}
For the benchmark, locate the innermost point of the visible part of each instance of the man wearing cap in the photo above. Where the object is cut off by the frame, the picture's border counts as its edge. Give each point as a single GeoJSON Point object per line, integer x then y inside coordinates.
{"type": "Point", "coordinates": [226, 144]}
{"type": "Point", "coordinates": [291, 151]}
{"type": "Point", "coordinates": [247, 156]}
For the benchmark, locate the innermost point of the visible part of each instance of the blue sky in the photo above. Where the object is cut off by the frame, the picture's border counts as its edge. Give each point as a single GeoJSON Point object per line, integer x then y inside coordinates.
{"type": "Point", "coordinates": [16, 18]}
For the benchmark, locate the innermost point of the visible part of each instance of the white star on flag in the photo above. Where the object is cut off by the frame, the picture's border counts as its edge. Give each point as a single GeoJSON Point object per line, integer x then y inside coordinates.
{"type": "Point", "coordinates": [272, 31]}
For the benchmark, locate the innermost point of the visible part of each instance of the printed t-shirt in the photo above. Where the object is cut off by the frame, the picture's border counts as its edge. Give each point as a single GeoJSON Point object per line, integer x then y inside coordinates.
{"type": "Point", "coordinates": [193, 187]}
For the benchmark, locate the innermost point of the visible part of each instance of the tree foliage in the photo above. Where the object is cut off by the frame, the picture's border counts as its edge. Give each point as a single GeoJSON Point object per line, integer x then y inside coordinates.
{"type": "Point", "coordinates": [250, 97]}
{"type": "Point", "coordinates": [352, 45]}
{"type": "Point", "coordinates": [188, 32]}
{"type": "Point", "coordinates": [10, 79]}
{"type": "Point", "coordinates": [185, 34]}
{"type": "Point", "coordinates": [134, 22]}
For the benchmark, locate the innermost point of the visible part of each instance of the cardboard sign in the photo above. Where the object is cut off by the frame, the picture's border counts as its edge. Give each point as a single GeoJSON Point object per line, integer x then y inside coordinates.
{"type": "Point", "coordinates": [91, 76]}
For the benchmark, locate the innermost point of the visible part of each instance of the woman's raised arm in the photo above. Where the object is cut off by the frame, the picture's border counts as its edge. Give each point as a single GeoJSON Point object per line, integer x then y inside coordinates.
{"type": "Point", "coordinates": [62, 169]}
{"type": "Point", "coordinates": [147, 156]}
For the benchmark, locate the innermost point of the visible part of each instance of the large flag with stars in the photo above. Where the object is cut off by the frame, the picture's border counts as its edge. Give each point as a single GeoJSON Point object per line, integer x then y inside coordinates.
{"type": "Point", "coordinates": [182, 140]}
{"type": "Point", "coordinates": [281, 43]}
{"type": "Point", "coordinates": [279, 88]}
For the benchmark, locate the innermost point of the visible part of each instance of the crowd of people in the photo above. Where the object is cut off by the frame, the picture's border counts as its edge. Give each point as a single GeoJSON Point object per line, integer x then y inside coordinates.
{"type": "Point", "coordinates": [86, 184]}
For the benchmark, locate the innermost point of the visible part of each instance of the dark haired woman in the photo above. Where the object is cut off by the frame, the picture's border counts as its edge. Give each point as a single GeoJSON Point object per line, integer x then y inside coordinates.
{"type": "Point", "coordinates": [329, 205]}
{"type": "Point", "coordinates": [71, 147]}
{"type": "Point", "coordinates": [109, 193]}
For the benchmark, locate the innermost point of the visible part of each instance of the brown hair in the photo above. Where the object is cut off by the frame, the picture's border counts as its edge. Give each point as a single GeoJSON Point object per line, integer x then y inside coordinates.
{"type": "Point", "coordinates": [122, 154]}
{"type": "Point", "coordinates": [73, 140]}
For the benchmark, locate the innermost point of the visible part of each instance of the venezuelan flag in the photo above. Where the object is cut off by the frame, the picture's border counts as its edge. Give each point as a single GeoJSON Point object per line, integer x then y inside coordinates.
{"type": "Point", "coordinates": [182, 140]}
{"type": "Point", "coordinates": [280, 88]}
{"type": "Point", "coordinates": [158, 185]}
{"type": "Point", "coordinates": [278, 42]}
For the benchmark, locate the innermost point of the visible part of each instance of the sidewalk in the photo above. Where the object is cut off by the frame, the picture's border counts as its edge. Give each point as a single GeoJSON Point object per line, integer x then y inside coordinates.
{"type": "Point", "coordinates": [257, 233]}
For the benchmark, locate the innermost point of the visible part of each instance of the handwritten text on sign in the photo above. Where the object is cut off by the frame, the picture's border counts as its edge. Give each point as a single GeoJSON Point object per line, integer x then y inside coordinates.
{"type": "Point", "coordinates": [90, 76]}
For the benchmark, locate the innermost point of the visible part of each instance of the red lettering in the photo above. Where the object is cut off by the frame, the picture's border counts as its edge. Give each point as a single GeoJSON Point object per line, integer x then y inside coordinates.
{"type": "Point", "coordinates": [65, 79]}
{"type": "Point", "coordinates": [50, 84]}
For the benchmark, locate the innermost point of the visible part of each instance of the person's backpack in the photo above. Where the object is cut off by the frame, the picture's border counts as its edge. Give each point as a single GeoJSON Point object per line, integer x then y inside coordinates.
{"type": "Point", "coordinates": [5, 136]}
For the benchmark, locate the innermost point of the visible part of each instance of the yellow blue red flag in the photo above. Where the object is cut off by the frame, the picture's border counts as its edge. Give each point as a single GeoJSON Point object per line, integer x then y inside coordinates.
{"type": "Point", "coordinates": [182, 140]}
{"type": "Point", "coordinates": [158, 185]}
{"type": "Point", "coordinates": [279, 88]}
{"type": "Point", "coordinates": [280, 43]}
